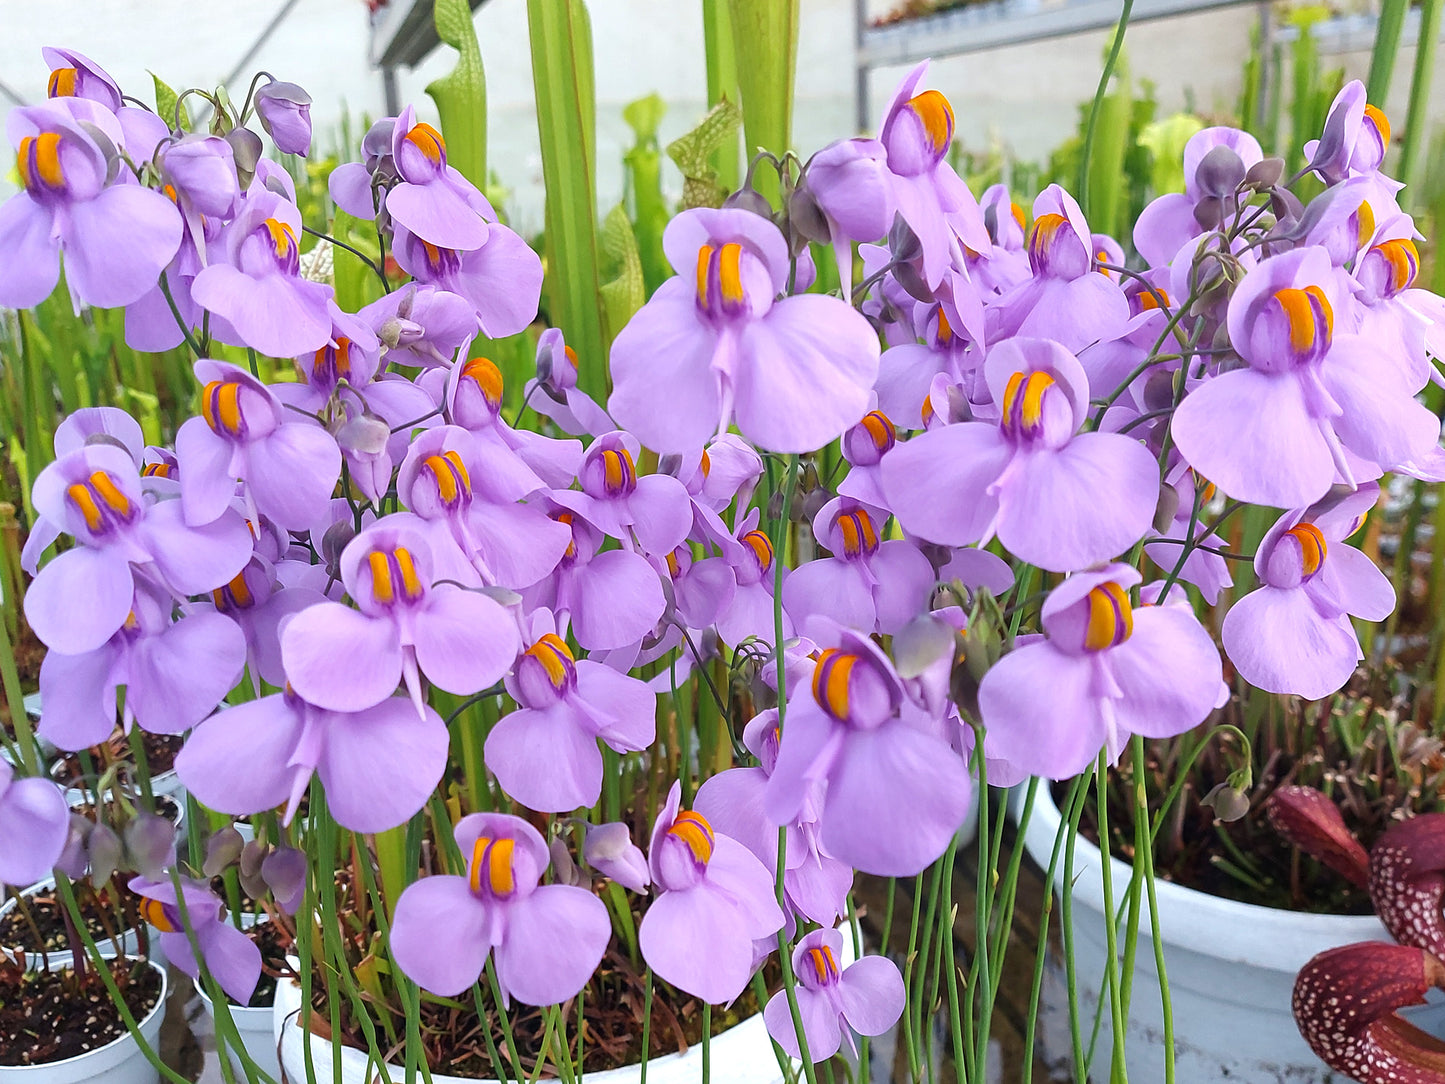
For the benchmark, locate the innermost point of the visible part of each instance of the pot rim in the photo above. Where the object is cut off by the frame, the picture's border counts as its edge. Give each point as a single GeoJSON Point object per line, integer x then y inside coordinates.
{"type": "Point", "coordinates": [110, 1048]}
{"type": "Point", "coordinates": [1247, 933]}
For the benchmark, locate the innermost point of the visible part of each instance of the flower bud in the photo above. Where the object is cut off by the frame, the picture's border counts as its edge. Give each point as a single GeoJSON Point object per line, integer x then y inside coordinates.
{"type": "Point", "coordinates": [610, 851]}
{"type": "Point", "coordinates": [564, 870]}
{"type": "Point", "coordinates": [104, 849]}
{"type": "Point", "coordinates": [365, 435]}
{"type": "Point", "coordinates": [284, 871]}
{"type": "Point", "coordinates": [150, 844]}
{"type": "Point", "coordinates": [246, 150]}
{"type": "Point", "coordinates": [285, 112]}
{"type": "Point", "coordinates": [222, 850]}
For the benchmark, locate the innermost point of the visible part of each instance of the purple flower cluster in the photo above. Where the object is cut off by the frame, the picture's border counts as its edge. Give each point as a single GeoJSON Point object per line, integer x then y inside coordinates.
{"type": "Point", "coordinates": [1003, 399]}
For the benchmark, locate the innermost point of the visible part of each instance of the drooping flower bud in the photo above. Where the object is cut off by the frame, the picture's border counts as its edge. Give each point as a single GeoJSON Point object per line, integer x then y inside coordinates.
{"type": "Point", "coordinates": [285, 112]}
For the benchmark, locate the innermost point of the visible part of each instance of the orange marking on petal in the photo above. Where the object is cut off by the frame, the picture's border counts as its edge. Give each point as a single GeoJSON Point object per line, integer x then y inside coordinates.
{"type": "Point", "coordinates": [554, 655]}
{"type": "Point", "coordinates": [945, 330]}
{"type": "Point", "coordinates": [1147, 300]}
{"type": "Point", "coordinates": [282, 236]}
{"type": "Point", "coordinates": [694, 830]}
{"type": "Point", "coordinates": [824, 965]}
{"type": "Point", "coordinates": [1018, 214]}
{"type": "Point", "coordinates": [81, 496]}
{"type": "Point", "coordinates": [1404, 260]}
{"type": "Point", "coordinates": [429, 141]}
{"type": "Point", "coordinates": [154, 912]}
{"type": "Point", "coordinates": [572, 357]}
{"type": "Point", "coordinates": [381, 585]}
{"type": "Point", "coordinates": [487, 376]}
{"type": "Point", "coordinates": [762, 547]}
{"type": "Point", "coordinates": [1382, 122]}
{"type": "Point", "coordinates": [619, 473]}
{"type": "Point", "coordinates": [705, 464]}
{"type": "Point", "coordinates": [729, 271]}
{"type": "Point", "coordinates": [1312, 546]}
{"type": "Point", "coordinates": [860, 537]}
{"type": "Point", "coordinates": [221, 406]}
{"type": "Point", "coordinates": [110, 493]}
{"type": "Point", "coordinates": [704, 264]}
{"type": "Point", "coordinates": [156, 470]}
{"type": "Point", "coordinates": [880, 429]}
{"type": "Point", "coordinates": [830, 681]}
{"type": "Point", "coordinates": [1045, 226]}
{"type": "Point", "coordinates": [1111, 617]}
{"type": "Point", "coordinates": [61, 83]}
{"type": "Point", "coordinates": [933, 109]}
{"type": "Point", "coordinates": [1300, 315]}
{"type": "Point", "coordinates": [411, 586]}
{"type": "Point", "coordinates": [1365, 216]}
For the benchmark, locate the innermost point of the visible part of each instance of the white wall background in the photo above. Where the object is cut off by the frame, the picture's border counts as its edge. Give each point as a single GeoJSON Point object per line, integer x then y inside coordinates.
{"type": "Point", "coordinates": [1024, 97]}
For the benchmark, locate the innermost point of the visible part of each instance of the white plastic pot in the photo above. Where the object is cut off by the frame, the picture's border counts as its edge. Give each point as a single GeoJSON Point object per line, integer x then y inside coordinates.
{"type": "Point", "coordinates": [1230, 966]}
{"type": "Point", "coordinates": [129, 939]}
{"type": "Point", "coordinates": [741, 1055]}
{"type": "Point", "coordinates": [254, 1027]}
{"type": "Point", "coordinates": [117, 1062]}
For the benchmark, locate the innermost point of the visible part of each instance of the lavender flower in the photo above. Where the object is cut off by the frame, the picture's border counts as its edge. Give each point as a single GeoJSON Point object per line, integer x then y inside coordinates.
{"type": "Point", "coordinates": [547, 939]}
{"type": "Point", "coordinates": [865, 997]}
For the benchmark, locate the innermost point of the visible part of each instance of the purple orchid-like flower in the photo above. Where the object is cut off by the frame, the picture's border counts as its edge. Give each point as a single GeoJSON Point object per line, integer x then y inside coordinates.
{"type": "Point", "coordinates": [422, 325]}
{"type": "Point", "coordinates": [432, 199]}
{"type": "Point", "coordinates": [715, 346]}
{"type": "Point", "coordinates": [1173, 219]}
{"type": "Point", "coordinates": [73, 74]}
{"type": "Point", "coordinates": [750, 555]}
{"type": "Point", "coordinates": [379, 766]}
{"type": "Point", "coordinates": [258, 290]}
{"type": "Point", "coordinates": [1054, 499]}
{"type": "Point", "coordinates": [554, 393]}
{"type": "Point", "coordinates": [285, 112]}
{"type": "Point", "coordinates": [651, 512]}
{"type": "Point", "coordinates": [407, 622]}
{"type": "Point", "coordinates": [501, 279]}
{"type": "Point", "coordinates": [359, 188]}
{"type": "Point", "coordinates": [714, 900]}
{"type": "Point", "coordinates": [612, 599]}
{"type": "Point", "coordinates": [116, 238]}
{"type": "Point", "coordinates": [174, 673]}
{"type": "Point", "coordinates": [1306, 395]}
{"type": "Point", "coordinates": [834, 1002]}
{"type": "Point", "coordinates": [895, 791]}
{"type": "Point", "coordinates": [916, 133]}
{"type": "Point", "coordinates": [1293, 633]}
{"type": "Point", "coordinates": [231, 957]}
{"type": "Point", "coordinates": [815, 884]}
{"type": "Point", "coordinates": [256, 600]}
{"type": "Point", "coordinates": [868, 584]}
{"type": "Point", "coordinates": [850, 183]}
{"type": "Point", "coordinates": [1066, 300]}
{"type": "Point", "coordinates": [545, 753]}
{"type": "Point", "coordinates": [83, 596]}
{"type": "Point", "coordinates": [502, 542]}
{"type": "Point", "coordinates": [1106, 670]}
{"type": "Point", "coordinates": [289, 465]}
{"type": "Point", "coordinates": [473, 400]}
{"type": "Point", "coordinates": [1355, 138]}
{"type": "Point", "coordinates": [34, 827]}
{"type": "Point", "coordinates": [546, 939]}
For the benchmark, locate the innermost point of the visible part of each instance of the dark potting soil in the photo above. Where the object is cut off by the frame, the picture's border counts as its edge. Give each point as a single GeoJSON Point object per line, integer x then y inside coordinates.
{"type": "Point", "coordinates": [160, 750]}
{"type": "Point", "coordinates": [112, 911]}
{"type": "Point", "coordinates": [275, 943]}
{"type": "Point", "coordinates": [1243, 860]}
{"type": "Point", "coordinates": [613, 1009]}
{"type": "Point", "coordinates": [48, 1016]}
